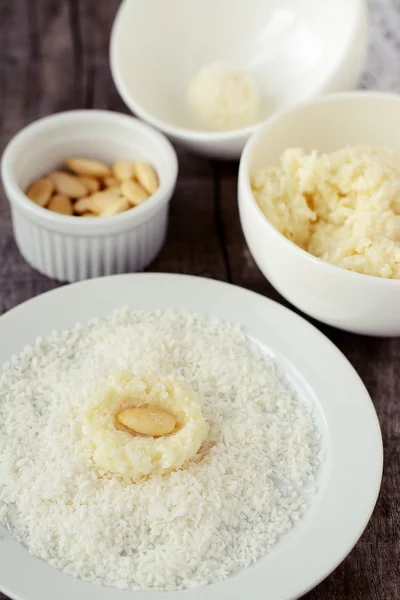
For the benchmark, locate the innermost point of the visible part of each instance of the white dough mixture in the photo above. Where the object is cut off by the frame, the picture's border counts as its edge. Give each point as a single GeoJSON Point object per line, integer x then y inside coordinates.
{"type": "Point", "coordinates": [228, 506]}
{"type": "Point", "coordinates": [343, 207]}
{"type": "Point", "coordinates": [222, 98]}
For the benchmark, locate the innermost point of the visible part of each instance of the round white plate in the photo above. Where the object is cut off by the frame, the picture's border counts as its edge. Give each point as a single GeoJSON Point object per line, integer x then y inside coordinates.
{"type": "Point", "coordinates": [349, 478]}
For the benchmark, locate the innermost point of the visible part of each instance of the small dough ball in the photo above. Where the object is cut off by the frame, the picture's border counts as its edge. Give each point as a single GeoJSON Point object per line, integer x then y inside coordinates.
{"type": "Point", "coordinates": [118, 451]}
{"type": "Point", "coordinates": [221, 98]}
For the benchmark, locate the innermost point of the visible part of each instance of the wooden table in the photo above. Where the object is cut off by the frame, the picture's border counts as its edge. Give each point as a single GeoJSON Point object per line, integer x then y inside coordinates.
{"type": "Point", "coordinates": [54, 56]}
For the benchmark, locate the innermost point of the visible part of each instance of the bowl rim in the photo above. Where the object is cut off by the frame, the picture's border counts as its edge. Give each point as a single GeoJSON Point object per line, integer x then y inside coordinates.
{"type": "Point", "coordinates": [246, 195]}
{"type": "Point", "coordinates": [72, 224]}
{"type": "Point", "coordinates": [188, 134]}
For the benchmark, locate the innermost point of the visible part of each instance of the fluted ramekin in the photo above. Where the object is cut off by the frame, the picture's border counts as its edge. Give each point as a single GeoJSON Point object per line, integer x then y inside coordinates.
{"type": "Point", "coordinates": [71, 248]}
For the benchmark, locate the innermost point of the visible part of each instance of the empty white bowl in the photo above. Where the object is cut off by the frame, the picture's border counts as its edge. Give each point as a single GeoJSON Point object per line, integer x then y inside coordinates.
{"type": "Point", "coordinates": [347, 300]}
{"type": "Point", "coordinates": [73, 248]}
{"type": "Point", "coordinates": [293, 49]}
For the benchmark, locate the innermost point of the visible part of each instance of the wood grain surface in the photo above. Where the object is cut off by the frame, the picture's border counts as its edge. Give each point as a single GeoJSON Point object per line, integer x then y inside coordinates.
{"type": "Point", "coordinates": [54, 56]}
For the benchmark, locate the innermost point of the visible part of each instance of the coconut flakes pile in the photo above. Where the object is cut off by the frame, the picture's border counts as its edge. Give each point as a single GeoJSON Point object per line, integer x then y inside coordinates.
{"type": "Point", "coordinates": [249, 484]}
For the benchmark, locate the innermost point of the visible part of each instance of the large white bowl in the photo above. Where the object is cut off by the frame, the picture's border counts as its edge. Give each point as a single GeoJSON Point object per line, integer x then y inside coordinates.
{"type": "Point", "coordinates": [72, 248]}
{"type": "Point", "coordinates": [294, 50]}
{"type": "Point", "coordinates": [350, 301]}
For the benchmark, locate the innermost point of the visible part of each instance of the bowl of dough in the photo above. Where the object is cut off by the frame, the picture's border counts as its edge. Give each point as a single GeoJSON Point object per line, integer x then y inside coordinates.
{"type": "Point", "coordinates": [320, 209]}
{"type": "Point", "coordinates": [208, 85]}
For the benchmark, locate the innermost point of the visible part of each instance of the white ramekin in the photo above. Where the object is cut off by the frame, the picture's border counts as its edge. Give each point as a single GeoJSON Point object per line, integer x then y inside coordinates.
{"type": "Point", "coordinates": [71, 248]}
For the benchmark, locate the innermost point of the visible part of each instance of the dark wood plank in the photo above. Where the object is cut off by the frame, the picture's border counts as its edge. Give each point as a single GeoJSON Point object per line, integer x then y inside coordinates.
{"type": "Point", "coordinates": [242, 267]}
{"type": "Point", "coordinates": [192, 243]}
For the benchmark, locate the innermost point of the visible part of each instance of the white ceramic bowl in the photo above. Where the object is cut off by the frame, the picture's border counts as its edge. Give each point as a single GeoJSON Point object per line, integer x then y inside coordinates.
{"type": "Point", "coordinates": [294, 50]}
{"type": "Point", "coordinates": [347, 300]}
{"type": "Point", "coordinates": [72, 248]}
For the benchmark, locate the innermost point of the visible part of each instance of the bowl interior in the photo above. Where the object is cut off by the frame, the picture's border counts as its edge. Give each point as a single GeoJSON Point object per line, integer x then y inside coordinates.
{"type": "Point", "coordinates": [289, 47]}
{"type": "Point", "coordinates": [45, 145]}
{"type": "Point", "coordinates": [329, 124]}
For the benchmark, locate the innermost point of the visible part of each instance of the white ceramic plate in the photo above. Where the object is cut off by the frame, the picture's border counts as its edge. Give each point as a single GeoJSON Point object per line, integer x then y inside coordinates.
{"type": "Point", "coordinates": [349, 478]}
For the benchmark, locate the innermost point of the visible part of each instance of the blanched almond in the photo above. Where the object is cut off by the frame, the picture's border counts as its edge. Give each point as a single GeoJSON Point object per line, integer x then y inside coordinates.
{"type": "Point", "coordinates": [92, 184]}
{"type": "Point", "coordinates": [147, 420]}
{"type": "Point", "coordinates": [40, 191]}
{"type": "Point", "coordinates": [88, 214]}
{"type": "Point", "coordinates": [111, 182]}
{"type": "Point", "coordinates": [61, 204]}
{"type": "Point", "coordinates": [67, 184]}
{"type": "Point", "coordinates": [133, 192]}
{"type": "Point", "coordinates": [146, 176]}
{"type": "Point", "coordinates": [97, 202]}
{"type": "Point", "coordinates": [83, 205]}
{"type": "Point", "coordinates": [123, 169]}
{"type": "Point", "coordinates": [87, 166]}
{"type": "Point", "coordinates": [115, 206]}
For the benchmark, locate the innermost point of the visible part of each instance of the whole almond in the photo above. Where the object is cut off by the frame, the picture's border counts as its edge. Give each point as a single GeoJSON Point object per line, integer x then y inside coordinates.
{"type": "Point", "coordinates": [87, 166]}
{"type": "Point", "coordinates": [123, 169]}
{"type": "Point", "coordinates": [97, 202]}
{"type": "Point", "coordinates": [83, 205]}
{"type": "Point", "coordinates": [67, 184]}
{"type": "Point", "coordinates": [147, 420]}
{"type": "Point", "coordinates": [118, 205]}
{"type": "Point", "coordinates": [111, 182]}
{"type": "Point", "coordinates": [92, 184]}
{"type": "Point", "coordinates": [40, 191]}
{"type": "Point", "coordinates": [146, 176]}
{"type": "Point", "coordinates": [61, 204]}
{"type": "Point", "coordinates": [133, 192]}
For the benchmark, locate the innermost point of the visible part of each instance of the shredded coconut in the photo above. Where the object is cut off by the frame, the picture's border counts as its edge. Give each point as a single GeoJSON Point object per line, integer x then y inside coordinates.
{"type": "Point", "coordinates": [342, 207]}
{"type": "Point", "coordinates": [248, 485]}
